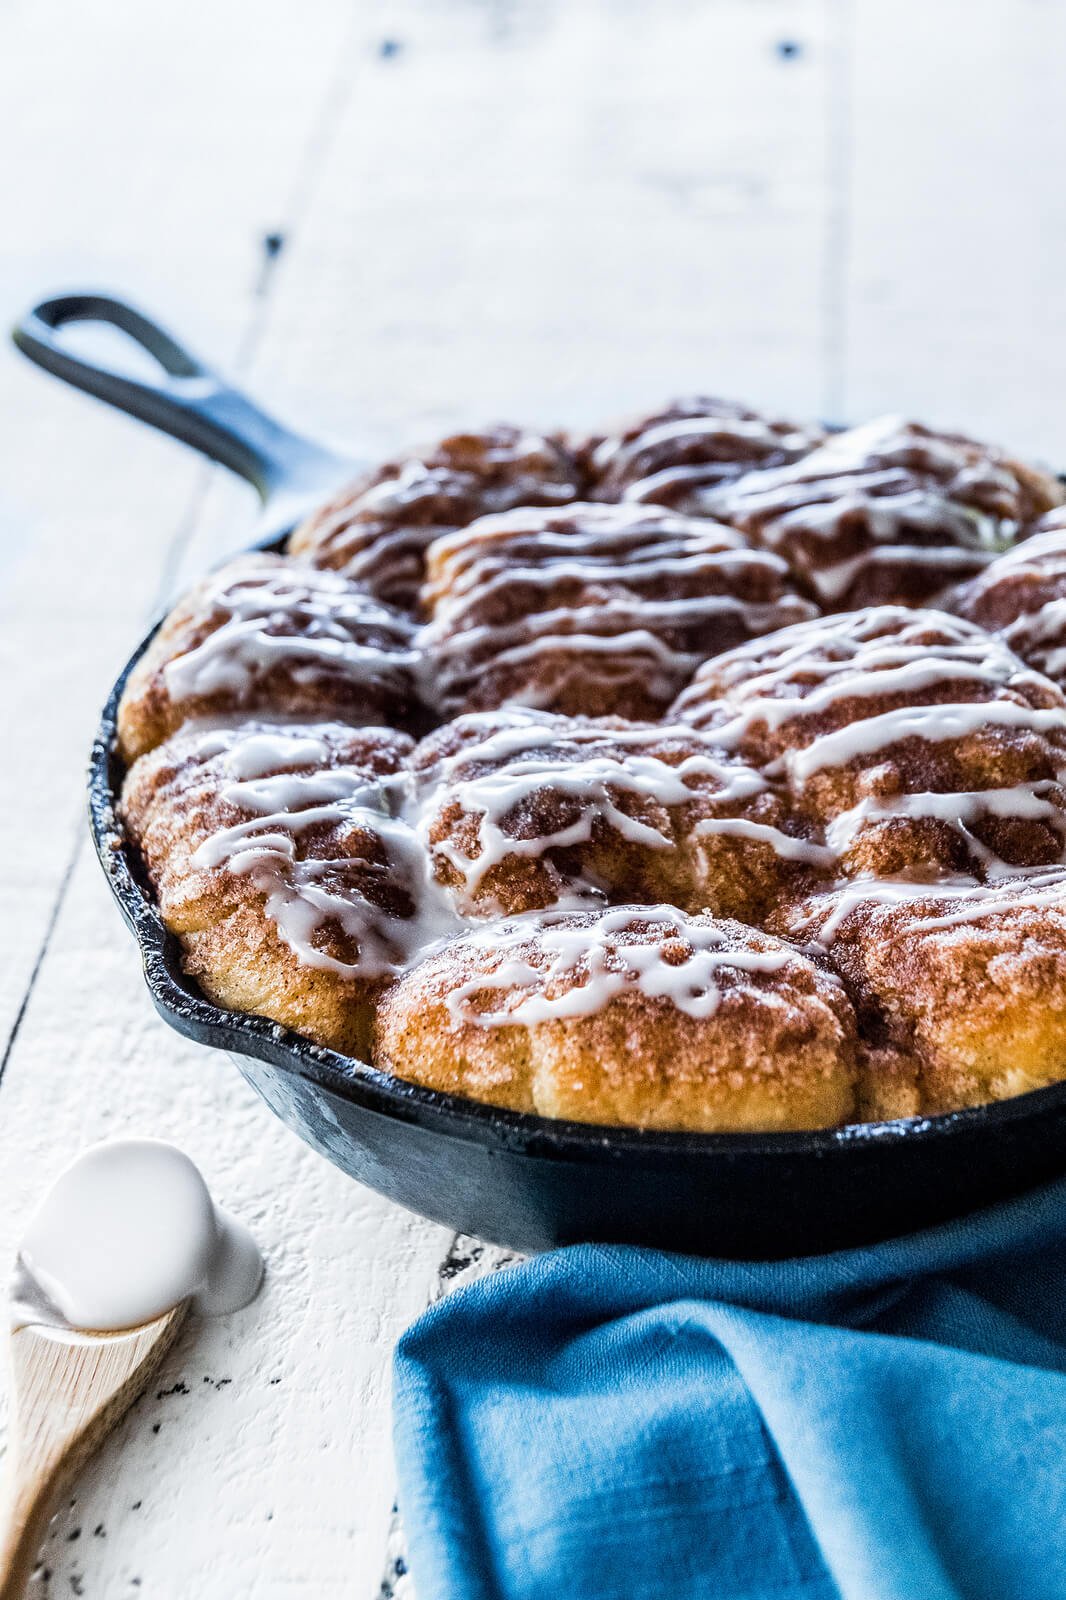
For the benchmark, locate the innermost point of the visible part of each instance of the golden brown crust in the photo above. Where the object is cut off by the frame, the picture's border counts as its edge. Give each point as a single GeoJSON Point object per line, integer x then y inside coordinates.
{"type": "Point", "coordinates": [889, 513]}
{"type": "Point", "coordinates": [1022, 596]}
{"type": "Point", "coordinates": [595, 610]}
{"type": "Point", "coordinates": [377, 529]}
{"type": "Point", "coordinates": [959, 716]}
{"type": "Point", "coordinates": [971, 986]}
{"type": "Point", "coordinates": [675, 456]}
{"type": "Point", "coordinates": [776, 1051]}
{"type": "Point", "coordinates": [265, 634]}
{"type": "Point", "coordinates": [231, 861]}
{"type": "Point", "coordinates": [889, 1083]}
{"type": "Point", "coordinates": [523, 810]}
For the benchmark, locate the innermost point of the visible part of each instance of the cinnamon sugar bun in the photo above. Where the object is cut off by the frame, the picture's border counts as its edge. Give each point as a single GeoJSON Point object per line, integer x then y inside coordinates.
{"type": "Point", "coordinates": [523, 810]}
{"type": "Point", "coordinates": [636, 1015]}
{"type": "Point", "coordinates": [264, 634]}
{"type": "Point", "coordinates": [600, 610]}
{"type": "Point", "coordinates": [920, 742]}
{"type": "Point", "coordinates": [376, 531]}
{"type": "Point", "coordinates": [675, 456]}
{"type": "Point", "coordinates": [1022, 597]}
{"type": "Point", "coordinates": [891, 512]}
{"type": "Point", "coordinates": [964, 982]}
{"type": "Point", "coordinates": [276, 860]}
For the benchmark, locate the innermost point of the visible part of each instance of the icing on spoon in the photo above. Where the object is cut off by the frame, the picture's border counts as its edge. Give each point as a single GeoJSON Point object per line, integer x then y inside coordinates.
{"type": "Point", "coordinates": [126, 1233]}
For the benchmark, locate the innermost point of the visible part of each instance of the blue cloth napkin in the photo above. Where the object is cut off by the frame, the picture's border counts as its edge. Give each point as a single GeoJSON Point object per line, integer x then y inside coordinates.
{"type": "Point", "coordinates": [619, 1424]}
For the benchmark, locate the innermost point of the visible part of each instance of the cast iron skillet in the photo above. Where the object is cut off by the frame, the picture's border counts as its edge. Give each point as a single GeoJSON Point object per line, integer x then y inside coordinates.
{"type": "Point", "coordinates": [519, 1180]}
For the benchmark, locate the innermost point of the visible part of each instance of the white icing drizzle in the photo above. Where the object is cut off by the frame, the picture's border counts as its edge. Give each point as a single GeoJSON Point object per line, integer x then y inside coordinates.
{"type": "Point", "coordinates": [933, 723]}
{"type": "Point", "coordinates": [1023, 801]}
{"type": "Point", "coordinates": [756, 436]}
{"type": "Point", "coordinates": [531, 472]}
{"type": "Point", "coordinates": [1022, 887]}
{"type": "Point", "coordinates": [636, 653]}
{"type": "Point", "coordinates": [895, 480]}
{"type": "Point", "coordinates": [534, 755]}
{"type": "Point", "coordinates": [499, 769]}
{"type": "Point", "coordinates": [632, 619]}
{"type": "Point", "coordinates": [303, 894]}
{"type": "Point", "coordinates": [950, 561]}
{"type": "Point", "coordinates": [620, 558]}
{"type": "Point", "coordinates": [312, 623]}
{"type": "Point", "coordinates": [786, 845]}
{"type": "Point", "coordinates": [1035, 624]}
{"type": "Point", "coordinates": [590, 532]}
{"type": "Point", "coordinates": [871, 640]}
{"type": "Point", "coordinates": [672, 559]}
{"type": "Point", "coordinates": [305, 891]}
{"type": "Point", "coordinates": [872, 656]}
{"type": "Point", "coordinates": [591, 965]}
{"type": "Point", "coordinates": [860, 657]}
{"type": "Point", "coordinates": [677, 456]}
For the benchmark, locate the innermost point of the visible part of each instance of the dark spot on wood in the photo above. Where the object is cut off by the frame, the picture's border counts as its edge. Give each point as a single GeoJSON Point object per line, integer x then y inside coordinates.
{"type": "Point", "coordinates": [222, 1382]}
{"type": "Point", "coordinates": [463, 1254]}
{"type": "Point", "coordinates": [156, 1426]}
{"type": "Point", "coordinates": [99, 1532]}
{"type": "Point", "coordinates": [137, 1504]}
{"type": "Point", "coordinates": [789, 49]}
{"type": "Point", "coordinates": [389, 48]}
{"type": "Point", "coordinates": [273, 1381]}
{"type": "Point", "coordinates": [273, 245]}
{"type": "Point", "coordinates": [75, 1533]}
{"type": "Point", "coordinates": [177, 1388]}
{"type": "Point", "coordinates": [76, 1584]}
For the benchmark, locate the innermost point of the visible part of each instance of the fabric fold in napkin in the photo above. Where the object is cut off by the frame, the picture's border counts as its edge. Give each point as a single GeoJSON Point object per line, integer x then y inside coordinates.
{"type": "Point", "coordinates": [619, 1424]}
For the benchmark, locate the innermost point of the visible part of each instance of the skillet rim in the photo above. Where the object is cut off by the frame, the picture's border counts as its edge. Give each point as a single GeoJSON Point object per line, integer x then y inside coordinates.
{"type": "Point", "coordinates": [182, 1005]}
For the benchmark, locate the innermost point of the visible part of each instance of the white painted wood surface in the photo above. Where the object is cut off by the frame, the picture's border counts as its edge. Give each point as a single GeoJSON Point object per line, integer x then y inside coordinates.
{"type": "Point", "coordinates": [551, 210]}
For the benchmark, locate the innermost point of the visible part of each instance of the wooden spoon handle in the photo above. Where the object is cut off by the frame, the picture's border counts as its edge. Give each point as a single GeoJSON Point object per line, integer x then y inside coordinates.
{"type": "Point", "coordinates": [68, 1392]}
{"type": "Point", "coordinates": [27, 1510]}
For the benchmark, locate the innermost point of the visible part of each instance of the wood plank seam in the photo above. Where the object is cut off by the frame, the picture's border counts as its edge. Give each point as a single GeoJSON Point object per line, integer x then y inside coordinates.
{"type": "Point", "coordinates": [42, 951]}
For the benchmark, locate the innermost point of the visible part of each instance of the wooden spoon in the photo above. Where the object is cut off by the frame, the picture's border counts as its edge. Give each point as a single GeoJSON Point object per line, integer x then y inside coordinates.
{"type": "Point", "coordinates": [69, 1390]}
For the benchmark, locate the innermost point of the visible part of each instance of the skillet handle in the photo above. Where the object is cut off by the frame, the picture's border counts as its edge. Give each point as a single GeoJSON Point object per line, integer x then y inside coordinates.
{"type": "Point", "coordinates": [187, 400]}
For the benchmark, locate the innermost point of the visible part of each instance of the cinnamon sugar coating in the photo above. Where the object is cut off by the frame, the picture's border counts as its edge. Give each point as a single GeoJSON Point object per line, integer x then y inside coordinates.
{"type": "Point", "coordinates": [891, 512]}
{"type": "Point", "coordinates": [637, 1016]}
{"type": "Point", "coordinates": [595, 610]}
{"type": "Point", "coordinates": [919, 742]}
{"type": "Point", "coordinates": [968, 985]}
{"type": "Point", "coordinates": [677, 455]}
{"type": "Point", "coordinates": [266, 634]}
{"type": "Point", "coordinates": [376, 530]}
{"type": "Point", "coordinates": [525, 810]}
{"type": "Point", "coordinates": [269, 852]}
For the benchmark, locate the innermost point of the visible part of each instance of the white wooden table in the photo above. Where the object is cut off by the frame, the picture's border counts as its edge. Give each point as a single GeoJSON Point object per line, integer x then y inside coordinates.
{"type": "Point", "coordinates": [550, 210]}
